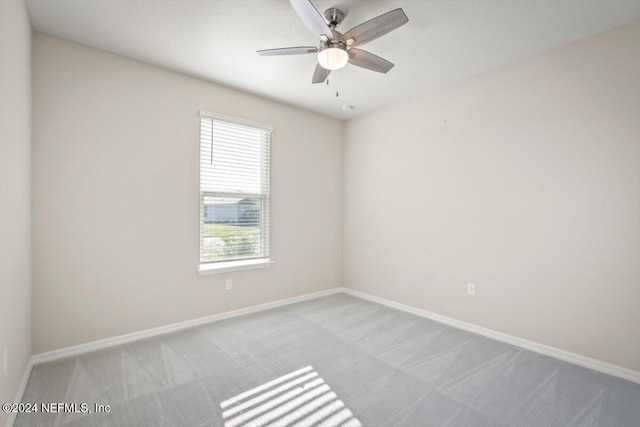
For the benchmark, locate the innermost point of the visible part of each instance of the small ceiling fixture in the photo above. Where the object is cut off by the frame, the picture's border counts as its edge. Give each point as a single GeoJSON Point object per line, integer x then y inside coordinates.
{"type": "Point", "coordinates": [337, 49]}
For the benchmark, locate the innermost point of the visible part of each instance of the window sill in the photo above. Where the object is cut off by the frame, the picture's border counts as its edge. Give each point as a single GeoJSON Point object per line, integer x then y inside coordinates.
{"type": "Point", "coordinates": [223, 267]}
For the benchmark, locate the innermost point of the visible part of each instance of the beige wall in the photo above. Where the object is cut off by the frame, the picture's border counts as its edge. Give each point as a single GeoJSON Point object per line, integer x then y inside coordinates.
{"type": "Point", "coordinates": [15, 194]}
{"type": "Point", "coordinates": [525, 181]}
{"type": "Point", "coordinates": [116, 197]}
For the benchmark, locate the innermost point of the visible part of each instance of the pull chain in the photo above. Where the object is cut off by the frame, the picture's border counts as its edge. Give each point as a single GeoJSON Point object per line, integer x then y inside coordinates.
{"type": "Point", "coordinates": [337, 92]}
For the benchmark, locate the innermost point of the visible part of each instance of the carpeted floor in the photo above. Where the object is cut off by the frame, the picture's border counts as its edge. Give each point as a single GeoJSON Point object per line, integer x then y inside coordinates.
{"type": "Point", "coordinates": [337, 360]}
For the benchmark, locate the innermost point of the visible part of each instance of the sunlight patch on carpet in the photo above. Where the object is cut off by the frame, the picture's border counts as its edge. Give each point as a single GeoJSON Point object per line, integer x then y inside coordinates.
{"type": "Point", "coordinates": [299, 398]}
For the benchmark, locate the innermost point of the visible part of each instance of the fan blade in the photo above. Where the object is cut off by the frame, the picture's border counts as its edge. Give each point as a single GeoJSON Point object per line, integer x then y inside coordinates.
{"type": "Point", "coordinates": [311, 18]}
{"type": "Point", "coordinates": [320, 74]}
{"type": "Point", "coordinates": [376, 27]}
{"type": "Point", "coordinates": [300, 50]}
{"type": "Point", "coordinates": [364, 59]}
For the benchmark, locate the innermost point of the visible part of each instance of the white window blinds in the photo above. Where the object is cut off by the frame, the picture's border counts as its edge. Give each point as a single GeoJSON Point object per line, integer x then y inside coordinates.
{"type": "Point", "coordinates": [234, 189]}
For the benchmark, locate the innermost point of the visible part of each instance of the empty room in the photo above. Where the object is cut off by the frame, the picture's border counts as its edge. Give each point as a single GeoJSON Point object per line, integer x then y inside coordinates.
{"type": "Point", "coordinates": [362, 213]}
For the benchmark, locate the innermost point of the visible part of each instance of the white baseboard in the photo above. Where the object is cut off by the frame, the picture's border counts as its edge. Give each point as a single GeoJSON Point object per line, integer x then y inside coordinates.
{"type": "Point", "coordinates": [556, 353]}
{"type": "Point", "coordinates": [148, 333]}
{"type": "Point", "coordinates": [11, 419]}
{"type": "Point", "coordinates": [576, 359]}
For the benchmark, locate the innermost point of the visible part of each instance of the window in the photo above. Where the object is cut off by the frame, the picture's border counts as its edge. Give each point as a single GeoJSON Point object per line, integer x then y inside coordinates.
{"type": "Point", "coordinates": [234, 192]}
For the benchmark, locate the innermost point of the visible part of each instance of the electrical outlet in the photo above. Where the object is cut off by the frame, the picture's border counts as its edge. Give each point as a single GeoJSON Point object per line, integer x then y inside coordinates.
{"type": "Point", "coordinates": [471, 289]}
{"type": "Point", "coordinates": [5, 361]}
{"type": "Point", "coordinates": [229, 284]}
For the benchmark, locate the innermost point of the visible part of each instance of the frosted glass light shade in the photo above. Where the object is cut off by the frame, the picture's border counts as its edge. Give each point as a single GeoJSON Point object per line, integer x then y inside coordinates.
{"type": "Point", "coordinates": [333, 58]}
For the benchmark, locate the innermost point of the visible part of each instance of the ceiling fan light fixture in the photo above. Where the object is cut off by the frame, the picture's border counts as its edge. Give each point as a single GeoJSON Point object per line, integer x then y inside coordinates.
{"type": "Point", "coordinates": [333, 57]}
{"type": "Point", "coordinates": [337, 49]}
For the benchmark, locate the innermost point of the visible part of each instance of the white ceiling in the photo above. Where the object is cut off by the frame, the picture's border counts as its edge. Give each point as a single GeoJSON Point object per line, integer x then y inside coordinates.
{"type": "Point", "coordinates": [444, 41]}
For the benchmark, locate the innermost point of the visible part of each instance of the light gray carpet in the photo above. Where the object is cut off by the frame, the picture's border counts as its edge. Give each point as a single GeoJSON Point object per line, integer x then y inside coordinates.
{"type": "Point", "coordinates": [332, 361]}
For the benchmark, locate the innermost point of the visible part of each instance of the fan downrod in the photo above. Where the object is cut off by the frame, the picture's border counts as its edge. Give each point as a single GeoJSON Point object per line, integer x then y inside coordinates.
{"type": "Point", "coordinates": [333, 17]}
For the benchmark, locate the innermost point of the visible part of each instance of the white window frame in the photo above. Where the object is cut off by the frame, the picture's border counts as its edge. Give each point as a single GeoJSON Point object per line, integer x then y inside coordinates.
{"type": "Point", "coordinates": [248, 263]}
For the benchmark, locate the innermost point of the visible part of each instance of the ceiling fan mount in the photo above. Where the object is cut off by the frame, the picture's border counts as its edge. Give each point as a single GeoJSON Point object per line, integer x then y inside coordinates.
{"type": "Point", "coordinates": [337, 49]}
{"type": "Point", "coordinates": [333, 17]}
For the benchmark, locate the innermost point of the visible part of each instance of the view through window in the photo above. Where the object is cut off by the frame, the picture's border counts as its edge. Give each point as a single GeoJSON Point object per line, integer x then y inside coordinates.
{"type": "Point", "coordinates": [234, 189]}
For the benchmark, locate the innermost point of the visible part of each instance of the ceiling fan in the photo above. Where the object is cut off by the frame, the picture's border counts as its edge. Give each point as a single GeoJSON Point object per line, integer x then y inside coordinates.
{"type": "Point", "coordinates": [337, 49]}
